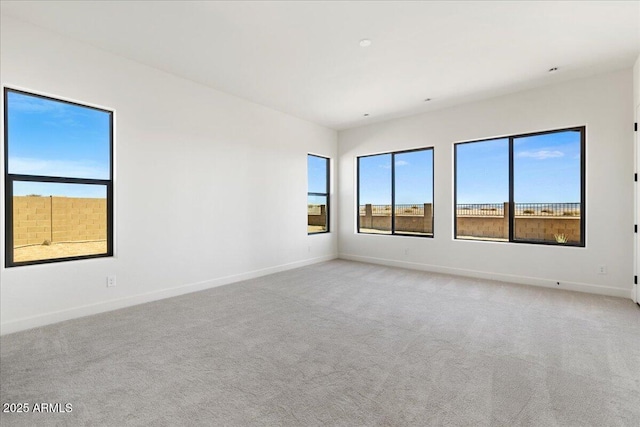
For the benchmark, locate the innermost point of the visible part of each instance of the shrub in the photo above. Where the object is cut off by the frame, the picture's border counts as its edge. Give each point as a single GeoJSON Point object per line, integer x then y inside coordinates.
{"type": "Point", "coordinates": [561, 238]}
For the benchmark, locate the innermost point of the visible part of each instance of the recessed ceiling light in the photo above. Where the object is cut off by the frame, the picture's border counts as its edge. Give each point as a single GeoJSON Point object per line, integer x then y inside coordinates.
{"type": "Point", "coordinates": [553, 70]}
{"type": "Point", "coordinates": [366, 114]}
{"type": "Point", "coordinates": [365, 43]}
{"type": "Point", "coordinates": [427, 100]}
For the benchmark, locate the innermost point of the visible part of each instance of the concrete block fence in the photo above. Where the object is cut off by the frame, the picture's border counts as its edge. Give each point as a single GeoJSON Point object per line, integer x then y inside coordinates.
{"type": "Point", "coordinates": [413, 223]}
{"type": "Point", "coordinates": [527, 227]}
{"type": "Point", "coordinates": [58, 219]}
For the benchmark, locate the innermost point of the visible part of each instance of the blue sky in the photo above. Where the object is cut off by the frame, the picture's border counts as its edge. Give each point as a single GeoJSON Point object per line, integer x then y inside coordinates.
{"type": "Point", "coordinates": [51, 138]}
{"type": "Point", "coordinates": [317, 174]}
{"type": "Point", "coordinates": [317, 179]}
{"type": "Point", "coordinates": [546, 169]}
{"type": "Point", "coordinates": [413, 170]}
{"type": "Point", "coordinates": [482, 172]}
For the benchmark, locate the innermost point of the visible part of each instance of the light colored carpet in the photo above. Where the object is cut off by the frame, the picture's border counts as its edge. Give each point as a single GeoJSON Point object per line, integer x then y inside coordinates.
{"type": "Point", "coordinates": [338, 343]}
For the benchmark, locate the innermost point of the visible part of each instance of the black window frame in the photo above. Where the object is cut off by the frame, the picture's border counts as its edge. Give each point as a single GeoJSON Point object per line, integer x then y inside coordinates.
{"type": "Point", "coordinates": [512, 238]}
{"type": "Point", "coordinates": [326, 195]}
{"type": "Point", "coordinates": [393, 195]}
{"type": "Point", "coordinates": [10, 178]}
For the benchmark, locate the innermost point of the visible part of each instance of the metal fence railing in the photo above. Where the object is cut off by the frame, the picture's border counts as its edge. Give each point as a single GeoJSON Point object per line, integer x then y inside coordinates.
{"type": "Point", "coordinates": [413, 210]}
{"type": "Point", "coordinates": [521, 209]}
{"type": "Point", "coordinates": [547, 209]}
{"type": "Point", "coordinates": [385, 210]}
{"type": "Point", "coordinates": [376, 210]}
{"type": "Point", "coordinates": [481, 209]}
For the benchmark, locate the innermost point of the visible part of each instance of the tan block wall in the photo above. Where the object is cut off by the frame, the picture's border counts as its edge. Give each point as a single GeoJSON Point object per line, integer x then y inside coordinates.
{"type": "Point", "coordinates": [530, 228]}
{"type": "Point", "coordinates": [546, 228]}
{"type": "Point", "coordinates": [482, 226]}
{"type": "Point", "coordinates": [31, 220]}
{"type": "Point", "coordinates": [58, 219]}
{"type": "Point", "coordinates": [316, 219]}
{"type": "Point", "coordinates": [410, 223]}
{"type": "Point", "coordinates": [377, 222]}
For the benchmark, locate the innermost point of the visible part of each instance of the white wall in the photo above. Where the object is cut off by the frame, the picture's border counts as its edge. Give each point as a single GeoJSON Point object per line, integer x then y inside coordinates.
{"type": "Point", "coordinates": [206, 164]}
{"type": "Point", "coordinates": [636, 103]}
{"type": "Point", "coordinates": [636, 82]}
{"type": "Point", "coordinates": [602, 103]}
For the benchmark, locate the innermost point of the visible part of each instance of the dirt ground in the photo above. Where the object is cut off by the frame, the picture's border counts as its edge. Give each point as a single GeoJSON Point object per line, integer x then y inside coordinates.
{"type": "Point", "coordinates": [58, 250]}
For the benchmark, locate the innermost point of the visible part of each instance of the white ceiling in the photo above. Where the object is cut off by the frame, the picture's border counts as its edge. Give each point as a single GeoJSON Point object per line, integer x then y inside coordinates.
{"type": "Point", "coordinates": [303, 58]}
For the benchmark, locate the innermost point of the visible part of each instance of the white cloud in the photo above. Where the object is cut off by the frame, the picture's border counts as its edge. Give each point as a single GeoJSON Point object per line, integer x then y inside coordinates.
{"type": "Point", "coordinates": [541, 154]}
{"type": "Point", "coordinates": [24, 188]}
{"type": "Point", "coordinates": [398, 163]}
{"type": "Point", "coordinates": [32, 104]}
{"type": "Point", "coordinates": [56, 113]}
{"type": "Point", "coordinates": [61, 168]}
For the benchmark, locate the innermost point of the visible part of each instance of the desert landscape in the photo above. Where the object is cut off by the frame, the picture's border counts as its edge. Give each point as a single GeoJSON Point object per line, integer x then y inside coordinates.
{"type": "Point", "coordinates": [58, 250]}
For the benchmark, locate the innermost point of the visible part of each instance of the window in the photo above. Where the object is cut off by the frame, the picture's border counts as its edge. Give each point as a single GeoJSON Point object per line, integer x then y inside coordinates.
{"type": "Point", "coordinates": [523, 188]}
{"type": "Point", "coordinates": [58, 180]}
{"type": "Point", "coordinates": [395, 193]}
{"type": "Point", "coordinates": [318, 194]}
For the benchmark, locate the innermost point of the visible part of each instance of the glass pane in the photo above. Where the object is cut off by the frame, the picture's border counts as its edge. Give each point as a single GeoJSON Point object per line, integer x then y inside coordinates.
{"type": "Point", "coordinates": [546, 180]}
{"type": "Point", "coordinates": [482, 190]}
{"type": "Point", "coordinates": [53, 220]}
{"type": "Point", "coordinates": [317, 174]}
{"type": "Point", "coordinates": [414, 192]}
{"type": "Point", "coordinates": [55, 138]}
{"type": "Point", "coordinates": [374, 175]}
{"type": "Point", "coordinates": [317, 214]}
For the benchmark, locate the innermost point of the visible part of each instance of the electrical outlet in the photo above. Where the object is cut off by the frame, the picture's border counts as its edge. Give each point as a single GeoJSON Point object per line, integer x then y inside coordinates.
{"type": "Point", "coordinates": [111, 281]}
{"type": "Point", "coordinates": [602, 269]}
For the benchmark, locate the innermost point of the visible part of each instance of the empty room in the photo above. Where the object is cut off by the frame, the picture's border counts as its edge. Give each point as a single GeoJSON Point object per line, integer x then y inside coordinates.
{"type": "Point", "coordinates": [304, 213]}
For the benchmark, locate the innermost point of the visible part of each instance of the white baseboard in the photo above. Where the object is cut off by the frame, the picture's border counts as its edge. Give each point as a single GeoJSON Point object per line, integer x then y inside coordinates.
{"type": "Point", "coordinates": [101, 307]}
{"type": "Point", "coordinates": [523, 280]}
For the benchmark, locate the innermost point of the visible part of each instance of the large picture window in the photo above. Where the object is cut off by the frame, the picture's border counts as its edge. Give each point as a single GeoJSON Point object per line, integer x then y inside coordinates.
{"type": "Point", "coordinates": [317, 194]}
{"type": "Point", "coordinates": [395, 193]}
{"type": "Point", "coordinates": [58, 180]}
{"type": "Point", "coordinates": [523, 188]}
